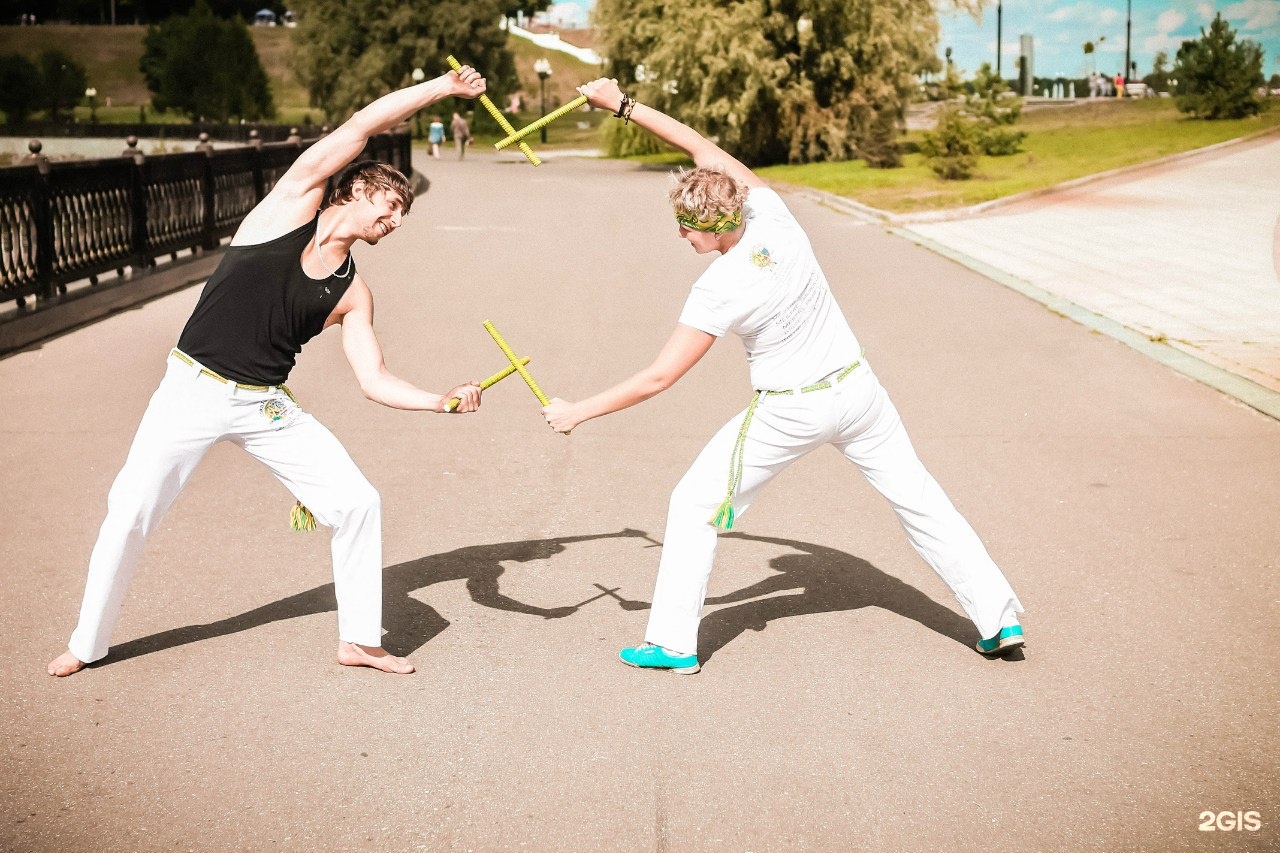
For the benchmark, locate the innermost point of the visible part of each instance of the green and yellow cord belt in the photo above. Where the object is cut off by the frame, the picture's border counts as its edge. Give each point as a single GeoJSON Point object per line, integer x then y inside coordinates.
{"type": "Point", "coordinates": [724, 515]}
{"type": "Point", "coordinates": [498, 116]}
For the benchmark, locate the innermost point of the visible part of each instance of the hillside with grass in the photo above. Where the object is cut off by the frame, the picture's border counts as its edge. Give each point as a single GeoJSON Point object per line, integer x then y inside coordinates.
{"type": "Point", "coordinates": [111, 55]}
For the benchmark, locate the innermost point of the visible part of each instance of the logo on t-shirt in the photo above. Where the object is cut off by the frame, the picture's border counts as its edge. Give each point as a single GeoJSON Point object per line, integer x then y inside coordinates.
{"type": "Point", "coordinates": [760, 257]}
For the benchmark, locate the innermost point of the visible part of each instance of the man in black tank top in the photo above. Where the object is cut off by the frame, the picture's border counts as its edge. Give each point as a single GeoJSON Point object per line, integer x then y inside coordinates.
{"type": "Point", "coordinates": [287, 276]}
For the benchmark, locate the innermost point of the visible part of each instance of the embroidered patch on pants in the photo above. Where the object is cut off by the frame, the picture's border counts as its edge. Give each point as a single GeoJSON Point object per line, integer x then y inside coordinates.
{"type": "Point", "coordinates": [275, 410]}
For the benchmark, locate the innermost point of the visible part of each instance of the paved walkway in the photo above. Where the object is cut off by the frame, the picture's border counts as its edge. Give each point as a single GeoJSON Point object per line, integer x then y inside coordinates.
{"type": "Point", "coordinates": [1185, 255]}
{"type": "Point", "coordinates": [840, 707]}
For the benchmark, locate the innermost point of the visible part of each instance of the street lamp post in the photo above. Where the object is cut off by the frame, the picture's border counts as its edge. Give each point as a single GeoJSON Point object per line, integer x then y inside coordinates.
{"type": "Point", "coordinates": [92, 93]}
{"type": "Point", "coordinates": [1128, 29]}
{"type": "Point", "coordinates": [418, 76]}
{"type": "Point", "coordinates": [543, 69]}
{"type": "Point", "coordinates": [999, 36]}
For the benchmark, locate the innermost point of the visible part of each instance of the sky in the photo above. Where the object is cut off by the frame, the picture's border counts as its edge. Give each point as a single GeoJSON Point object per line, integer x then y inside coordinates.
{"type": "Point", "coordinates": [1061, 27]}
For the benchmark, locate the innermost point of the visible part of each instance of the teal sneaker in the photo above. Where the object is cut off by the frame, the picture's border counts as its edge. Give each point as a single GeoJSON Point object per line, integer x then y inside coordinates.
{"type": "Point", "coordinates": [650, 656]}
{"type": "Point", "coordinates": [1008, 639]}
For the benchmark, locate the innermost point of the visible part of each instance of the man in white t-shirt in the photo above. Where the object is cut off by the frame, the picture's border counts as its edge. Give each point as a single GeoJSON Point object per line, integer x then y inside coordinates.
{"type": "Point", "coordinates": [813, 388]}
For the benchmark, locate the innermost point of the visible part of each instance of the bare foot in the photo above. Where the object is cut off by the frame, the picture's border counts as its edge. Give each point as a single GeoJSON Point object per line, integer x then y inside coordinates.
{"type": "Point", "coordinates": [350, 654]}
{"type": "Point", "coordinates": [65, 664]}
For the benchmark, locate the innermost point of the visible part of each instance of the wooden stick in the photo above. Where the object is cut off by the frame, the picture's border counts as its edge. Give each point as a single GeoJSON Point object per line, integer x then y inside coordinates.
{"type": "Point", "coordinates": [497, 116]}
{"type": "Point", "coordinates": [541, 123]}
{"type": "Point", "coordinates": [511, 356]}
{"type": "Point", "coordinates": [502, 374]}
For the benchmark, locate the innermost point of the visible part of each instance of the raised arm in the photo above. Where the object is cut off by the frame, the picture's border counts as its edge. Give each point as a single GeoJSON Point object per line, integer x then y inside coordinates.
{"type": "Point", "coordinates": [299, 192]}
{"type": "Point", "coordinates": [686, 348]}
{"type": "Point", "coordinates": [605, 94]}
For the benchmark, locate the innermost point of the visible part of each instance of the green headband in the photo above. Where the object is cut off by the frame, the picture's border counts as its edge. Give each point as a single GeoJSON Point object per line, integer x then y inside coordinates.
{"type": "Point", "coordinates": [722, 223]}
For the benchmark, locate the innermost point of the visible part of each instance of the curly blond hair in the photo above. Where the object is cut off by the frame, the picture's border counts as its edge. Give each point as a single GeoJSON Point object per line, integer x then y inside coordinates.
{"type": "Point", "coordinates": [707, 193]}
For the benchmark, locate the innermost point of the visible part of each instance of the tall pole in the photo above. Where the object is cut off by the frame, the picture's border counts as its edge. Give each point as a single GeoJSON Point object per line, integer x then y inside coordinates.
{"type": "Point", "coordinates": [999, 38]}
{"type": "Point", "coordinates": [1128, 27]}
{"type": "Point", "coordinates": [543, 86]}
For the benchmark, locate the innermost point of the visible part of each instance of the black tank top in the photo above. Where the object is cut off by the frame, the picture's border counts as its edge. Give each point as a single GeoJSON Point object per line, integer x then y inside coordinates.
{"type": "Point", "coordinates": [259, 308]}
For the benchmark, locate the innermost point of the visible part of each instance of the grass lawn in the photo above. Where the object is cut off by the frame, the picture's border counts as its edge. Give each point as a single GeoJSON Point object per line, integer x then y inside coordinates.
{"type": "Point", "coordinates": [1062, 143]}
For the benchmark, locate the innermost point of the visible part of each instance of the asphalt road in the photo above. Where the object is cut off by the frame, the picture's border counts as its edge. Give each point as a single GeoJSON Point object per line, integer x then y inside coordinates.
{"type": "Point", "coordinates": [840, 706]}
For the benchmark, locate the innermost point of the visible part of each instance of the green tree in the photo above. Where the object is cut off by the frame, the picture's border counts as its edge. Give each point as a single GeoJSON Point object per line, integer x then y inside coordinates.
{"type": "Point", "coordinates": [20, 84]}
{"type": "Point", "coordinates": [1158, 79]}
{"type": "Point", "coordinates": [205, 67]}
{"type": "Point", "coordinates": [63, 82]}
{"type": "Point", "coordinates": [1217, 76]}
{"type": "Point", "coordinates": [777, 80]}
{"type": "Point", "coordinates": [1090, 48]}
{"type": "Point", "coordinates": [347, 55]}
{"type": "Point", "coordinates": [994, 115]}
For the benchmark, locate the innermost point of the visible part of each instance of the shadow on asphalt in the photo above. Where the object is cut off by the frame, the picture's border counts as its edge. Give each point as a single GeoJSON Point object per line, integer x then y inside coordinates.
{"type": "Point", "coordinates": [825, 581]}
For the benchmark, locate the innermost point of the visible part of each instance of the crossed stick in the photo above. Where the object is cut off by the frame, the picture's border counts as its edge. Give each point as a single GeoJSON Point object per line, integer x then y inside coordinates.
{"type": "Point", "coordinates": [497, 116]}
{"type": "Point", "coordinates": [516, 364]}
{"type": "Point", "coordinates": [454, 402]}
{"type": "Point", "coordinates": [517, 135]}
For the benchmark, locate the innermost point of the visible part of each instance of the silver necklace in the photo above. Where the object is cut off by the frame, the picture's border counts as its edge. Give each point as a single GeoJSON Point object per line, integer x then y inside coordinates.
{"type": "Point", "coordinates": [320, 254]}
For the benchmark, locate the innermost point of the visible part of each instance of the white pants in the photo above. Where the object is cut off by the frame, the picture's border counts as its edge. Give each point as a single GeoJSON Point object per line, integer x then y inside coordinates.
{"type": "Point", "coordinates": [187, 415]}
{"type": "Point", "coordinates": [857, 417]}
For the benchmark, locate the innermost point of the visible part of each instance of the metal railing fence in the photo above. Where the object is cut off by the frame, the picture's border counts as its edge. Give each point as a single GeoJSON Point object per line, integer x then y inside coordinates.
{"type": "Point", "coordinates": [61, 222]}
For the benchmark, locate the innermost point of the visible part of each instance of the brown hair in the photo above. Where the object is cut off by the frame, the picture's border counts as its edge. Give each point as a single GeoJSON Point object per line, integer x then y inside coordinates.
{"type": "Point", "coordinates": [707, 193]}
{"type": "Point", "coordinates": [374, 174]}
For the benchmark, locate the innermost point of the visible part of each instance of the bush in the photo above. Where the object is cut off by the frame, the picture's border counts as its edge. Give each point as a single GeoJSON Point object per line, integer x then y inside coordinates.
{"type": "Point", "coordinates": [994, 113]}
{"type": "Point", "coordinates": [627, 140]}
{"type": "Point", "coordinates": [1218, 78]}
{"type": "Point", "coordinates": [63, 81]}
{"type": "Point", "coordinates": [1001, 141]}
{"type": "Point", "coordinates": [951, 148]}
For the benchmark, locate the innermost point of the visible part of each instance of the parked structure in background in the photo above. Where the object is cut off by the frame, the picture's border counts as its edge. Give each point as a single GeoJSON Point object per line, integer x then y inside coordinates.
{"type": "Point", "coordinates": [1027, 66]}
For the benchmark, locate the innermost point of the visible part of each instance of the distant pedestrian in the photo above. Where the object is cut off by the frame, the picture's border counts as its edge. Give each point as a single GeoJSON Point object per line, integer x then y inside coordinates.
{"type": "Point", "coordinates": [1119, 81]}
{"type": "Point", "coordinates": [435, 135]}
{"type": "Point", "coordinates": [461, 134]}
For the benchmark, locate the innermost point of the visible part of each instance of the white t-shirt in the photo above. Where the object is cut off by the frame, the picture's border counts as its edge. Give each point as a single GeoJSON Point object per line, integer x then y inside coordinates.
{"type": "Point", "coordinates": [769, 290]}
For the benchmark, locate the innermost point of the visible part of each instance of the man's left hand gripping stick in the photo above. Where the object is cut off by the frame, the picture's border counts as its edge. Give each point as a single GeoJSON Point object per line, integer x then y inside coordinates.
{"type": "Point", "coordinates": [502, 374]}
{"type": "Point", "coordinates": [520, 368]}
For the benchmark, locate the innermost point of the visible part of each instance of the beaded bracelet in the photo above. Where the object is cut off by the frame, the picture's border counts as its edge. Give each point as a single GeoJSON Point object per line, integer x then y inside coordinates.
{"type": "Point", "coordinates": [625, 106]}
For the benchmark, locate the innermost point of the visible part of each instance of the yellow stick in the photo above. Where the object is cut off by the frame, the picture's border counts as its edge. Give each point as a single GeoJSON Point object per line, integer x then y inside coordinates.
{"type": "Point", "coordinates": [497, 116]}
{"type": "Point", "coordinates": [511, 356]}
{"type": "Point", "coordinates": [502, 374]}
{"type": "Point", "coordinates": [541, 123]}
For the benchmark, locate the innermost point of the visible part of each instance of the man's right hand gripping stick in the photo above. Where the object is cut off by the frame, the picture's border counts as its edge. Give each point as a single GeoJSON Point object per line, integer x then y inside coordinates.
{"type": "Point", "coordinates": [502, 374]}
{"type": "Point", "coordinates": [511, 356]}
{"type": "Point", "coordinates": [497, 116]}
